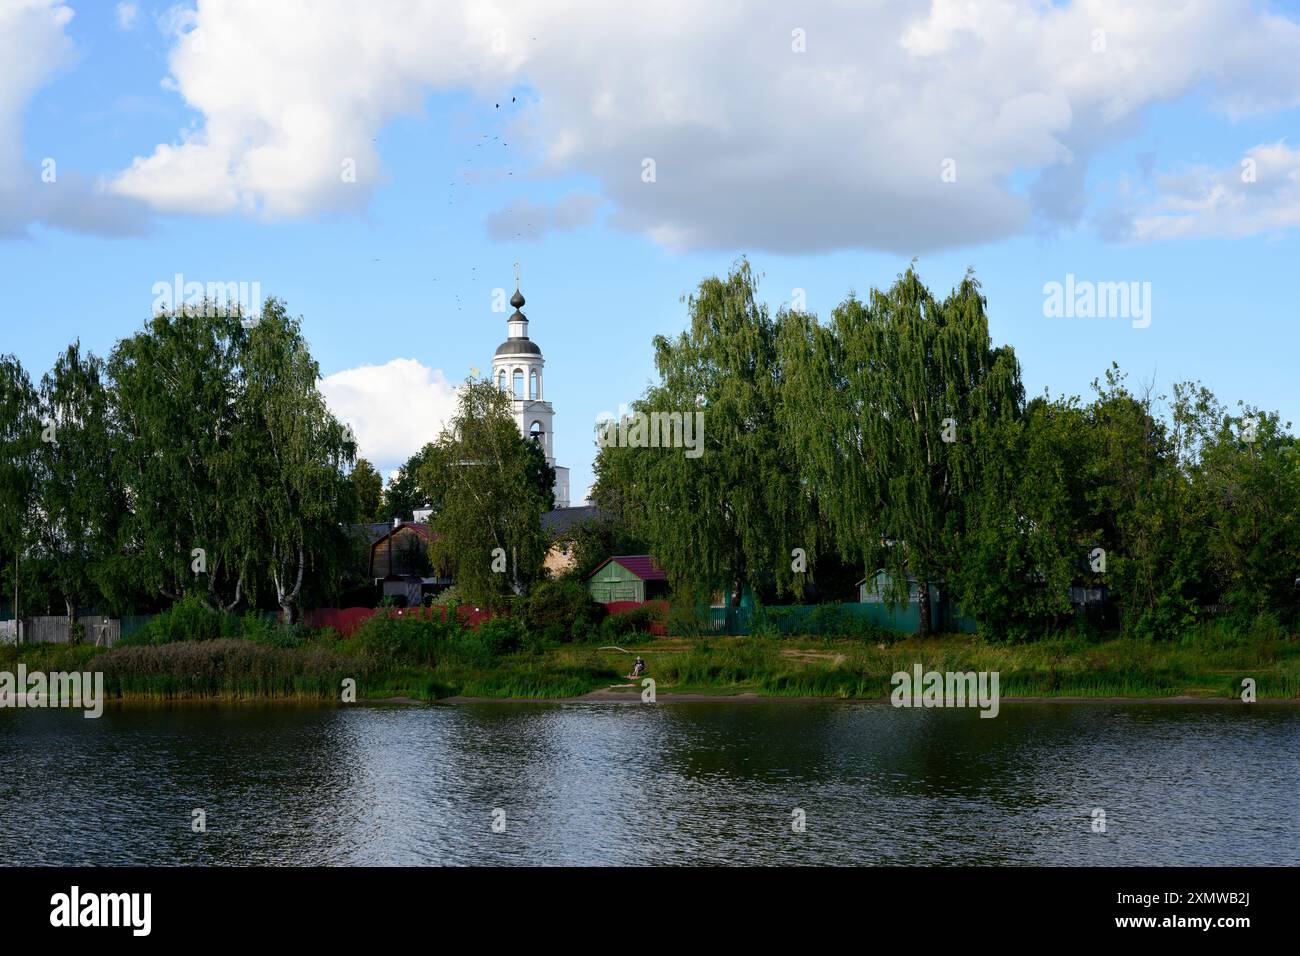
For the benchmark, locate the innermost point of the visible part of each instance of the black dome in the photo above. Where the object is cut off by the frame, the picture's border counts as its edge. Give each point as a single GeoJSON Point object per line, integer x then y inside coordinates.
{"type": "Point", "coordinates": [517, 300]}
{"type": "Point", "coordinates": [517, 346]}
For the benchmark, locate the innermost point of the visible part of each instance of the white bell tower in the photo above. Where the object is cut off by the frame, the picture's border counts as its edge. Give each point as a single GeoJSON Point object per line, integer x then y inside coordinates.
{"type": "Point", "coordinates": [517, 371]}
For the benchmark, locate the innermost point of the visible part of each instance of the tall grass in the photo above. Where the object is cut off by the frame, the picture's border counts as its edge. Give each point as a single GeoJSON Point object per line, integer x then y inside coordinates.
{"type": "Point", "coordinates": [429, 659]}
{"type": "Point", "coordinates": [224, 668]}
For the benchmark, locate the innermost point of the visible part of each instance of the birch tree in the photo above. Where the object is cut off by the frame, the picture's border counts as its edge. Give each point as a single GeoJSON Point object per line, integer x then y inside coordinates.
{"type": "Point", "coordinates": [291, 493]}
{"type": "Point", "coordinates": [78, 500]}
{"type": "Point", "coordinates": [174, 387]}
{"type": "Point", "coordinates": [19, 434]}
{"type": "Point", "coordinates": [488, 532]}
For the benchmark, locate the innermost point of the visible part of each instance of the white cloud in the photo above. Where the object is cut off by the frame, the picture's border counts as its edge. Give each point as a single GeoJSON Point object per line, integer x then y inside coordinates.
{"type": "Point", "coordinates": [756, 146]}
{"type": "Point", "coordinates": [394, 409]}
{"type": "Point", "coordinates": [126, 14]}
{"type": "Point", "coordinates": [34, 46]}
{"type": "Point", "coordinates": [1258, 196]}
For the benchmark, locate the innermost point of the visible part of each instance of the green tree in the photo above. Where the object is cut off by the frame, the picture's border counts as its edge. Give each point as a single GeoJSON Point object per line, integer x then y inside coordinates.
{"type": "Point", "coordinates": [367, 492]}
{"type": "Point", "coordinates": [232, 461]}
{"type": "Point", "coordinates": [405, 491]}
{"type": "Point", "coordinates": [592, 541]}
{"type": "Point", "coordinates": [1247, 489]}
{"type": "Point", "coordinates": [19, 435]}
{"type": "Point", "coordinates": [540, 474]}
{"type": "Point", "coordinates": [292, 452]}
{"type": "Point", "coordinates": [1140, 498]}
{"type": "Point", "coordinates": [489, 530]}
{"type": "Point", "coordinates": [78, 499]}
{"type": "Point", "coordinates": [730, 512]}
{"type": "Point", "coordinates": [175, 386]}
{"type": "Point", "coordinates": [1028, 531]}
{"type": "Point", "coordinates": [890, 408]}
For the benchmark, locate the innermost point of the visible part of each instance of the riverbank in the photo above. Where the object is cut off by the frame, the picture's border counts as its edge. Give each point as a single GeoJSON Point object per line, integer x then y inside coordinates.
{"type": "Point", "coordinates": [321, 666]}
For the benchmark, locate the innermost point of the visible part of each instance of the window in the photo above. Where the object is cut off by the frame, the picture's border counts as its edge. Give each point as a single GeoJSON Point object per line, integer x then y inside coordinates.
{"type": "Point", "coordinates": [501, 380]}
{"type": "Point", "coordinates": [536, 431]}
{"type": "Point", "coordinates": [534, 391]}
{"type": "Point", "coordinates": [519, 383]}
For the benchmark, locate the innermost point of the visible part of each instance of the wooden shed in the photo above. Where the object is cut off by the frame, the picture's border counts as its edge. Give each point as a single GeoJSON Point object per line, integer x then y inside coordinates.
{"type": "Point", "coordinates": [629, 577]}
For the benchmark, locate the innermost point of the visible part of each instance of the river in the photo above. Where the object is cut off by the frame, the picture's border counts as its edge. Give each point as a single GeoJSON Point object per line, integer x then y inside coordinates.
{"type": "Point", "coordinates": [668, 783]}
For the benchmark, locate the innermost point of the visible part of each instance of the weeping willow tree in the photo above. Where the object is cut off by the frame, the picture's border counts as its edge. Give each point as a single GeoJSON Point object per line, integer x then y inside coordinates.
{"type": "Point", "coordinates": [727, 508]}
{"type": "Point", "coordinates": [890, 409]}
{"type": "Point", "coordinates": [488, 533]}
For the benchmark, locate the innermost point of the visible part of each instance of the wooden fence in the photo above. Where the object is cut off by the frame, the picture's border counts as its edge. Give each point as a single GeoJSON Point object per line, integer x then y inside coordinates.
{"type": "Point", "coordinates": [96, 630]}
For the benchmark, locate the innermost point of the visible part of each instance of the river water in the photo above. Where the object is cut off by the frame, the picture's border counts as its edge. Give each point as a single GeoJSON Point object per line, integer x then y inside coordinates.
{"type": "Point", "coordinates": [666, 783]}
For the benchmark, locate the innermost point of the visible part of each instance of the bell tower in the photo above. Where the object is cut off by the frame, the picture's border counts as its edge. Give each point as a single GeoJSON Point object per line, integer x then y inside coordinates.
{"type": "Point", "coordinates": [517, 370]}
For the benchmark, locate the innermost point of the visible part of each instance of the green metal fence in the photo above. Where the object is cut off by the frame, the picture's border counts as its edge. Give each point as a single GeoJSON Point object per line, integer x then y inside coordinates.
{"type": "Point", "coordinates": [841, 620]}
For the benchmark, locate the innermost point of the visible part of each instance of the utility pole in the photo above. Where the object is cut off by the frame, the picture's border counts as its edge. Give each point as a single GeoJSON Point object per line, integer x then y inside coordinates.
{"type": "Point", "coordinates": [18, 625]}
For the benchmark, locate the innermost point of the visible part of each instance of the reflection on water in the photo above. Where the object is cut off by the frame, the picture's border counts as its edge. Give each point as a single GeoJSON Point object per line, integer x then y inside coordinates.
{"type": "Point", "coordinates": [670, 783]}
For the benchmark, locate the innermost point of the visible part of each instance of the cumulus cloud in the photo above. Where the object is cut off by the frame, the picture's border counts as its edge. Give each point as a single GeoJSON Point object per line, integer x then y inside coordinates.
{"type": "Point", "coordinates": [826, 127]}
{"type": "Point", "coordinates": [394, 409]}
{"type": "Point", "coordinates": [1258, 196]}
{"type": "Point", "coordinates": [33, 46]}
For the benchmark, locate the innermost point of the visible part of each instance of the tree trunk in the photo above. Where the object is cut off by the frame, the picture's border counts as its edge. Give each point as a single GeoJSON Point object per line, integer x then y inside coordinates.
{"type": "Point", "coordinates": [288, 600]}
{"type": "Point", "coordinates": [239, 593]}
{"type": "Point", "coordinates": [72, 617]}
{"type": "Point", "coordinates": [923, 628]}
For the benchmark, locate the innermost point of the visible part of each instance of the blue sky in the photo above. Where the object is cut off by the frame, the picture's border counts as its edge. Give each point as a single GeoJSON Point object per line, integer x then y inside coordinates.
{"type": "Point", "coordinates": [823, 166]}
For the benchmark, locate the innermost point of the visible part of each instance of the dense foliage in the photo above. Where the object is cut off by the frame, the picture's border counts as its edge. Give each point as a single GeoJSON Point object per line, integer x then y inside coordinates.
{"type": "Point", "coordinates": [199, 461]}
{"type": "Point", "coordinates": [897, 436]}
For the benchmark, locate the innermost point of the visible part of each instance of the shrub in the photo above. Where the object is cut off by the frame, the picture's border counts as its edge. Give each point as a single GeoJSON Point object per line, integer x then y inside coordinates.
{"type": "Point", "coordinates": [501, 635]}
{"type": "Point", "coordinates": [189, 619]}
{"type": "Point", "coordinates": [257, 627]}
{"type": "Point", "coordinates": [637, 620]}
{"type": "Point", "coordinates": [406, 639]}
{"type": "Point", "coordinates": [686, 618]}
{"type": "Point", "coordinates": [561, 604]}
{"type": "Point", "coordinates": [449, 596]}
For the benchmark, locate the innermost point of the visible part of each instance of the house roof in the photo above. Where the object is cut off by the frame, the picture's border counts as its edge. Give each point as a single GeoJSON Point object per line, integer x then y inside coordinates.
{"type": "Point", "coordinates": [372, 531]}
{"type": "Point", "coordinates": [642, 565]}
{"type": "Point", "coordinates": [561, 520]}
{"type": "Point", "coordinates": [417, 526]}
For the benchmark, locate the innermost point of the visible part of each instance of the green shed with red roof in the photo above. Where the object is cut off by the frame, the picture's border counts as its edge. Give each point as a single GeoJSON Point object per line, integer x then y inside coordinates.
{"type": "Point", "coordinates": [627, 577]}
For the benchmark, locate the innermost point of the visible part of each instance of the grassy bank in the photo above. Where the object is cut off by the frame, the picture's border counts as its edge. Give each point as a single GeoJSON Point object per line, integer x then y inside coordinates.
{"type": "Point", "coordinates": [429, 661]}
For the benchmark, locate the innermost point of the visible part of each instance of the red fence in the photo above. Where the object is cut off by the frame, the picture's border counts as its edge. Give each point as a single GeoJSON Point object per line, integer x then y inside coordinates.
{"type": "Point", "coordinates": [347, 620]}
